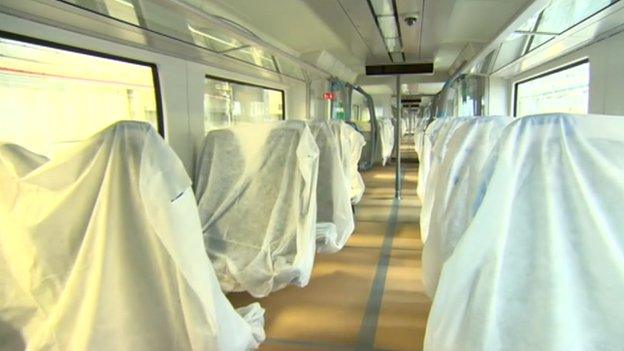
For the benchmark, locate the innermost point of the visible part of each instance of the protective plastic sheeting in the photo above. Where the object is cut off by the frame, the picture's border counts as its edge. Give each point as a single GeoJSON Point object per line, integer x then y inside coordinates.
{"type": "Point", "coordinates": [431, 133]}
{"type": "Point", "coordinates": [437, 156]}
{"type": "Point", "coordinates": [540, 267]}
{"type": "Point", "coordinates": [456, 188]}
{"type": "Point", "coordinates": [419, 135]}
{"type": "Point", "coordinates": [335, 222]}
{"type": "Point", "coordinates": [350, 143]}
{"type": "Point", "coordinates": [386, 135]}
{"type": "Point", "coordinates": [256, 185]}
{"type": "Point", "coordinates": [101, 249]}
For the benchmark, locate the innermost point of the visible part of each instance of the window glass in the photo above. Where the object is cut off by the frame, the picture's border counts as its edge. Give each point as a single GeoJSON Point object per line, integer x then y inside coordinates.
{"type": "Point", "coordinates": [563, 14]}
{"type": "Point", "coordinates": [50, 97]}
{"type": "Point", "coordinates": [359, 107]}
{"type": "Point", "coordinates": [227, 103]}
{"type": "Point", "coordinates": [564, 91]}
{"type": "Point", "coordinates": [254, 56]}
{"type": "Point", "coordinates": [123, 10]}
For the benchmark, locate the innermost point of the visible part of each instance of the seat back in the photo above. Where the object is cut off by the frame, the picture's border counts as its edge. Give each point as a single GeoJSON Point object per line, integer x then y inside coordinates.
{"type": "Point", "coordinates": [430, 137]}
{"type": "Point", "coordinates": [109, 231]}
{"type": "Point", "coordinates": [438, 154]}
{"type": "Point", "coordinates": [255, 186]}
{"type": "Point", "coordinates": [335, 222]}
{"type": "Point", "coordinates": [456, 183]}
{"type": "Point", "coordinates": [540, 266]}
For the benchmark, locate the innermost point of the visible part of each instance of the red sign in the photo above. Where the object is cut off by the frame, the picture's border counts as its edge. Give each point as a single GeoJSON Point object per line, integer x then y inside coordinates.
{"type": "Point", "coordinates": [328, 95]}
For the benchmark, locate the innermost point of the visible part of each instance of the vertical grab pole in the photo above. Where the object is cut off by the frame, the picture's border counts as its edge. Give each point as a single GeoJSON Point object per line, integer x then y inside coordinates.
{"type": "Point", "coordinates": [397, 140]}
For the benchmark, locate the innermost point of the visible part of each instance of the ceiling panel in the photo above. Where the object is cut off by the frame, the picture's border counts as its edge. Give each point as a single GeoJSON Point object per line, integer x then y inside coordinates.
{"type": "Point", "coordinates": [411, 34]}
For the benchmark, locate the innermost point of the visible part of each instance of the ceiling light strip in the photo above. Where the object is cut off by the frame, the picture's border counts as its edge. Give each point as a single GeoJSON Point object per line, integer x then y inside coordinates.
{"type": "Point", "coordinates": [390, 30]}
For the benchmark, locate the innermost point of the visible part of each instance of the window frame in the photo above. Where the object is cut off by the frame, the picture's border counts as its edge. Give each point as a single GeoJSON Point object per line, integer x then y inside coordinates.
{"type": "Point", "coordinates": [542, 75]}
{"type": "Point", "coordinates": [227, 80]}
{"type": "Point", "coordinates": [74, 49]}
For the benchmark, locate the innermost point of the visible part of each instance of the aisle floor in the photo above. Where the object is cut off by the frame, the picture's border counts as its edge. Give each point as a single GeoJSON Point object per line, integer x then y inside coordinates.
{"type": "Point", "coordinates": [369, 296]}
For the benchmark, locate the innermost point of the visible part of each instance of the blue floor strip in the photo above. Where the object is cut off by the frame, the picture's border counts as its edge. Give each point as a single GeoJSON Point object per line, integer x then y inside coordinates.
{"type": "Point", "coordinates": [366, 336]}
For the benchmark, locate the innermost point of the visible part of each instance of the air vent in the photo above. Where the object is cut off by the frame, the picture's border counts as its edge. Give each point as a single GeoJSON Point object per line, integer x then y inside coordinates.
{"type": "Point", "coordinates": [408, 68]}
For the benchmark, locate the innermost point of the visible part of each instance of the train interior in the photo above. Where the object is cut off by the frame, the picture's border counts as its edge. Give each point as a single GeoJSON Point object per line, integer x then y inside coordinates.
{"type": "Point", "coordinates": [368, 175]}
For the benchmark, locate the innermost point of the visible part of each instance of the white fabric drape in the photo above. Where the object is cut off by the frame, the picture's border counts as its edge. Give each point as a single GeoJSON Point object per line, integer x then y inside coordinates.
{"type": "Point", "coordinates": [385, 128]}
{"type": "Point", "coordinates": [419, 134]}
{"type": "Point", "coordinates": [256, 185]}
{"type": "Point", "coordinates": [429, 137]}
{"type": "Point", "coordinates": [540, 266]}
{"type": "Point", "coordinates": [101, 249]}
{"type": "Point", "coordinates": [455, 188]}
{"type": "Point", "coordinates": [350, 142]}
{"type": "Point", "coordinates": [335, 222]}
{"type": "Point", "coordinates": [437, 156]}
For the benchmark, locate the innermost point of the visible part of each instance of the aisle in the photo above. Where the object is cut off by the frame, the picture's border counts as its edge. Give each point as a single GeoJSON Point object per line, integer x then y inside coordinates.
{"type": "Point", "coordinates": [369, 296]}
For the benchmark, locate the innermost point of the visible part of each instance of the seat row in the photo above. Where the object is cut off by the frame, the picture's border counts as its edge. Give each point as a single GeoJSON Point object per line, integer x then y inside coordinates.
{"type": "Point", "coordinates": [105, 245]}
{"type": "Point", "coordinates": [522, 236]}
{"type": "Point", "coordinates": [270, 195]}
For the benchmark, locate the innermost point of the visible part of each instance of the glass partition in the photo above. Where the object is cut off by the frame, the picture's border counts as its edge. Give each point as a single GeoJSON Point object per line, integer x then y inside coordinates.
{"type": "Point", "coordinates": [363, 118]}
{"type": "Point", "coordinates": [53, 95]}
{"type": "Point", "coordinates": [360, 112]}
{"type": "Point", "coordinates": [229, 102]}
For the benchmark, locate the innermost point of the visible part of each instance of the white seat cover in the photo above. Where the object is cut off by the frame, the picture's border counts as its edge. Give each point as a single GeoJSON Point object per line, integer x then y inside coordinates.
{"type": "Point", "coordinates": [438, 154]}
{"type": "Point", "coordinates": [386, 137]}
{"type": "Point", "coordinates": [419, 134]}
{"type": "Point", "coordinates": [101, 249]}
{"type": "Point", "coordinates": [256, 185]}
{"type": "Point", "coordinates": [540, 267]}
{"type": "Point", "coordinates": [455, 188]}
{"type": "Point", "coordinates": [350, 142]}
{"type": "Point", "coordinates": [430, 136]}
{"type": "Point", "coordinates": [335, 222]}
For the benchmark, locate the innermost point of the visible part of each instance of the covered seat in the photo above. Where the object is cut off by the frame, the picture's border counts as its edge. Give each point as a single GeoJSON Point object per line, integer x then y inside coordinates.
{"type": "Point", "coordinates": [350, 144]}
{"type": "Point", "coordinates": [335, 222]}
{"type": "Point", "coordinates": [540, 266]}
{"type": "Point", "coordinates": [430, 137]}
{"type": "Point", "coordinates": [456, 188]}
{"type": "Point", "coordinates": [256, 185]}
{"type": "Point", "coordinates": [438, 155]}
{"type": "Point", "coordinates": [386, 138]}
{"type": "Point", "coordinates": [419, 134]}
{"type": "Point", "coordinates": [101, 249]}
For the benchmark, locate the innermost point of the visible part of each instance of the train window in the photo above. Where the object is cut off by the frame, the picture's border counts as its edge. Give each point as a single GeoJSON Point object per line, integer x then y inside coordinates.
{"type": "Point", "coordinates": [52, 95]}
{"type": "Point", "coordinates": [228, 102]}
{"type": "Point", "coordinates": [562, 90]}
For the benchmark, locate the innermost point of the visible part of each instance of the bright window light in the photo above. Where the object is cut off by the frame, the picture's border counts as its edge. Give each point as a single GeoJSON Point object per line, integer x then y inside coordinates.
{"type": "Point", "coordinates": [51, 98]}
{"type": "Point", "coordinates": [227, 103]}
{"type": "Point", "coordinates": [565, 90]}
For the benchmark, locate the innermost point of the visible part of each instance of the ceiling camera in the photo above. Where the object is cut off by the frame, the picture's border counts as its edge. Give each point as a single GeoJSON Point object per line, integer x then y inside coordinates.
{"type": "Point", "coordinates": [411, 19]}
